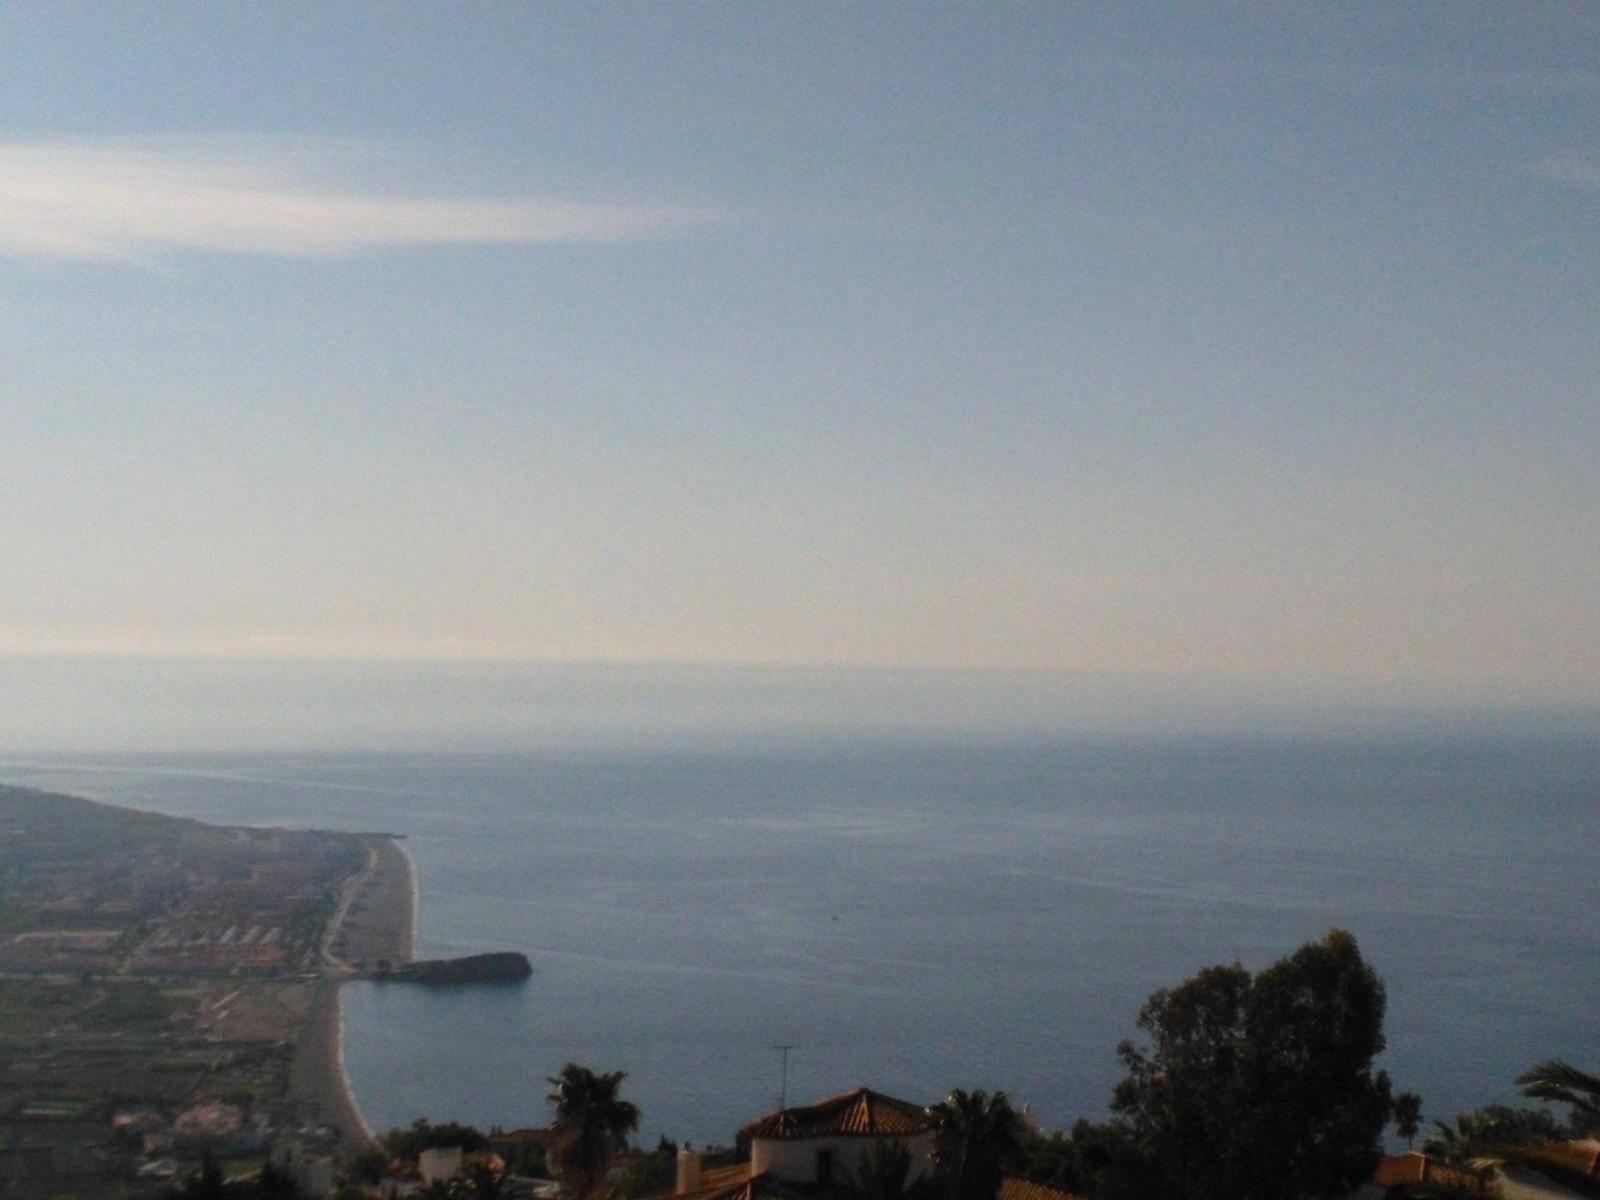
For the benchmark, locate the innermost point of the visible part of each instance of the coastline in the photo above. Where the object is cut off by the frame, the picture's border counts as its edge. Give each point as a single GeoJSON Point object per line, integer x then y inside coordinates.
{"type": "Point", "coordinates": [378, 925]}
{"type": "Point", "coordinates": [414, 916]}
{"type": "Point", "coordinates": [317, 1074]}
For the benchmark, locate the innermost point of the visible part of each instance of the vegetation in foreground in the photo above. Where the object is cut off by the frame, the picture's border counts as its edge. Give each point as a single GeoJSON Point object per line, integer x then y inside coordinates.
{"type": "Point", "coordinates": [1476, 1145]}
{"type": "Point", "coordinates": [1239, 1086]}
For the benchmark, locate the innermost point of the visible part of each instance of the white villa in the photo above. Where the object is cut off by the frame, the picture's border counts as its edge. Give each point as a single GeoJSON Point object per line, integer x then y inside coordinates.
{"type": "Point", "coordinates": [799, 1151]}
{"type": "Point", "coordinates": [820, 1149]}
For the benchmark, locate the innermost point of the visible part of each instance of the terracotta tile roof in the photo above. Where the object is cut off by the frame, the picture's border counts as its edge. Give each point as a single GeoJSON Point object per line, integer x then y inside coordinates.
{"type": "Point", "coordinates": [720, 1181]}
{"type": "Point", "coordinates": [1397, 1169]}
{"type": "Point", "coordinates": [736, 1183]}
{"type": "Point", "coordinates": [862, 1111]}
{"type": "Point", "coordinates": [1415, 1167]}
{"type": "Point", "coordinates": [759, 1187]}
{"type": "Point", "coordinates": [1014, 1187]}
{"type": "Point", "coordinates": [1582, 1156]}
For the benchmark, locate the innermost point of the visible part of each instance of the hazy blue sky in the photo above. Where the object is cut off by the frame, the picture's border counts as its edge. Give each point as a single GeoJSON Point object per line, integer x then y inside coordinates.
{"type": "Point", "coordinates": [1256, 344]}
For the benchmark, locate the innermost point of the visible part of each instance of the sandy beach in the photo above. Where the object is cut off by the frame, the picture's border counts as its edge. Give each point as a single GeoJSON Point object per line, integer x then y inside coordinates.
{"type": "Point", "coordinates": [378, 925]}
{"type": "Point", "coordinates": [316, 1074]}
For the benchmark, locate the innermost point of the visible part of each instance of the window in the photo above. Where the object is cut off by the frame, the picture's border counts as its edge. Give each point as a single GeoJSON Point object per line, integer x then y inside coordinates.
{"type": "Point", "coordinates": [824, 1166]}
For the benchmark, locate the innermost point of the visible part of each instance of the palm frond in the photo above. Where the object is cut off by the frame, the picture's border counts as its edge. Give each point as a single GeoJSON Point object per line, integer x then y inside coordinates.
{"type": "Point", "coordinates": [1563, 1083]}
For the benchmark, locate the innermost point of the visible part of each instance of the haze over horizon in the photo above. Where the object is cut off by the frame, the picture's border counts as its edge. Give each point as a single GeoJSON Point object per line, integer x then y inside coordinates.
{"type": "Point", "coordinates": [1181, 365]}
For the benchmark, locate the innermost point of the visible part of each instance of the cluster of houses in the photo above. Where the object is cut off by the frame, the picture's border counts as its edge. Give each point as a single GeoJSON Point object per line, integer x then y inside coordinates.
{"type": "Point", "coordinates": [803, 1153]}
{"type": "Point", "coordinates": [794, 1153]}
{"type": "Point", "coordinates": [816, 1151]}
{"type": "Point", "coordinates": [210, 1128]}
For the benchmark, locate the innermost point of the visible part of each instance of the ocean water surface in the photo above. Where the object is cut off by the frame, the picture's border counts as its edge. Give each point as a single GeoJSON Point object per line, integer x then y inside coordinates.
{"type": "Point", "coordinates": [922, 917]}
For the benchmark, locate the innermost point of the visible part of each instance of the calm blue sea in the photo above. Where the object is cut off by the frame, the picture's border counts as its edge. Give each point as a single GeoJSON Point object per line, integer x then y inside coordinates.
{"type": "Point", "coordinates": [918, 918]}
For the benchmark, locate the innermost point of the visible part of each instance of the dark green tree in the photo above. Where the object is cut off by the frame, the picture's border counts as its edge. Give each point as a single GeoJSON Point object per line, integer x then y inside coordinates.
{"type": "Point", "coordinates": [205, 1184]}
{"type": "Point", "coordinates": [1051, 1158]}
{"type": "Point", "coordinates": [275, 1183]}
{"type": "Point", "coordinates": [1089, 1161]}
{"type": "Point", "coordinates": [1259, 1087]}
{"type": "Point", "coordinates": [369, 1164]}
{"type": "Point", "coordinates": [1407, 1115]}
{"type": "Point", "coordinates": [1565, 1084]}
{"type": "Point", "coordinates": [591, 1124]}
{"type": "Point", "coordinates": [1506, 1126]}
{"type": "Point", "coordinates": [651, 1174]}
{"type": "Point", "coordinates": [975, 1136]}
{"type": "Point", "coordinates": [423, 1134]}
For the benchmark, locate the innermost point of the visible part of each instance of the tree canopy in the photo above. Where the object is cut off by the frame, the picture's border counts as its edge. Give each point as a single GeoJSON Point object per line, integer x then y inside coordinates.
{"type": "Point", "coordinates": [422, 1134]}
{"type": "Point", "coordinates": [974, 1136]}
{"type": "Point", "coordinates": [591, 1124]}
{"type": "Point", "coordinates": [1565, 1084]}
{"type": "Point", "coordinates": [1471, 1145]}
{"type": "Point", "coordinates": [1259, 1087]}
{"type": "Point", "coordinates": [1407, 1115]}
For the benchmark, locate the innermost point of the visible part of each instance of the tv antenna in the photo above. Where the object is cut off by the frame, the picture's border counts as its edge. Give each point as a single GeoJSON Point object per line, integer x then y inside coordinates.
{"type": "Point", "coordinates": [783, 1090]}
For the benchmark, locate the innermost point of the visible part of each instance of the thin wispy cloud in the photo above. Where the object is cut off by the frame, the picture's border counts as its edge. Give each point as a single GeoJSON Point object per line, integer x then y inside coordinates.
{"type": "Point", "coordinates": [271, 197]}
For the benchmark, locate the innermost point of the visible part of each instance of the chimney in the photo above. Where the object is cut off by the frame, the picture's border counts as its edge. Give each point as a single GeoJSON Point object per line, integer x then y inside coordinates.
{"type": "Point", "coordinates": [688, 1170]}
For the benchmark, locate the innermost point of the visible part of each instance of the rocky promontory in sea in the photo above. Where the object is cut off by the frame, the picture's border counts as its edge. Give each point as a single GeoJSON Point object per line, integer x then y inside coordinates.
{"type": "Point", "coordinates": [499, 967]}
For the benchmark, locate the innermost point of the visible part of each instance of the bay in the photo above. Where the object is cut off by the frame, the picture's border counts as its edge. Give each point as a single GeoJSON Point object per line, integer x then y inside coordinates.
{"type": "Point", "coordinates": [922, 916]}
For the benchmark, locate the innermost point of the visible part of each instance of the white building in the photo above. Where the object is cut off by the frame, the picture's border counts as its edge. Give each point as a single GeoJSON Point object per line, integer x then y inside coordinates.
{"type": "Point", "coordinates": [827, 1143]}
{"type": "Point", "coordinates": [799, 1152]}
{"type": "Point", "coordinates": [439, 1165]}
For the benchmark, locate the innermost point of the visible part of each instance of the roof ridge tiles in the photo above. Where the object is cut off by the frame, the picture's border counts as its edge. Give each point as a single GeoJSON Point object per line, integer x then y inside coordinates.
{"type": "Point", "coordinates": [861, 1111]}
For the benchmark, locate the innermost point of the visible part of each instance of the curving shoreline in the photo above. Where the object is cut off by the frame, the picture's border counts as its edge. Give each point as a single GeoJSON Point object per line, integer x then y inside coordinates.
{"type": "Point", "coordinates": [317, 1074]}
{"type": "Point", "coordinates": [379, 924]}
{"type": "Point", "coordinates": [414, 916]}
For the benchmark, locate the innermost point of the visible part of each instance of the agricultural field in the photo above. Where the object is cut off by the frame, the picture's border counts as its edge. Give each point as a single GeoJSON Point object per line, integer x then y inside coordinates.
{"type": "Point", "coordinates": [156, 978]}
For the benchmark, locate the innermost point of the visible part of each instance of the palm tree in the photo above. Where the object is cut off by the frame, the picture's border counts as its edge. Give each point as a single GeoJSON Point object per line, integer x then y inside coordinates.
{"type": "Point", "coordinates": [591, 1124]}
{"type": "Point", "coordinates": [885, 1174]}
{"type": "Point", "coordinates": [1407, 1114]}
{"type": "Point", "coordinates": [1464, 1146]}
{"type": "Point", "coordinates": [1565, 1084]}
{"type": "Point", "coordinates": [974, 1136]}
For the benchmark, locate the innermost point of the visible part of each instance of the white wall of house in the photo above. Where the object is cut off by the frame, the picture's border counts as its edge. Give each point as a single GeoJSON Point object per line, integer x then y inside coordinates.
{"type": "Point", "coordinates": [795, 1160]}
{"type": "Point", "coordinates": [438, 1165]}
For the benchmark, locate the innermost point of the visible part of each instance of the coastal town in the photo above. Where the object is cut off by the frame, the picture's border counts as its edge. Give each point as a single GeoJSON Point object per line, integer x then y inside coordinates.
{"type": "Point", "coordinates": [169, 1023]}
{"type": "Point", "coordinates": [169, 991]}
{"type": "Point", "coordinates": [696, 600]}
